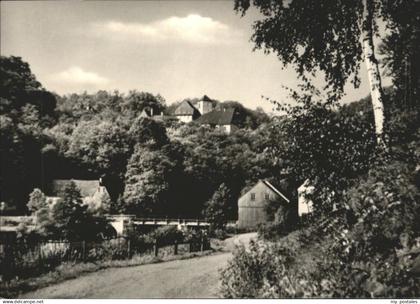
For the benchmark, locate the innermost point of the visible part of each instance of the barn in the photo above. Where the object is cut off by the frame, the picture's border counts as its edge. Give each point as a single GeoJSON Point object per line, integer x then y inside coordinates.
{"type": "Point", "coordinates": [251, 204]}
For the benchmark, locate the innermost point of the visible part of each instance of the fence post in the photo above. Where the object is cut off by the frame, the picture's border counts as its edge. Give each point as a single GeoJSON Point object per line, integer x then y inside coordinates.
{"type": "Point", "coordinates": [84, 250]}
{"type": "Point", "coordinates": [156, 248]}
{"type": "Point", "coordinates": [39, 253]}
{"type": "Point", "coordinates": [128, 249]}
{"type": "Point", "coordinates": [191, 246]}
{"type": "Point", "coordinates": [202, 244]}
{"type": "Point", "coordinates": [176, 247]}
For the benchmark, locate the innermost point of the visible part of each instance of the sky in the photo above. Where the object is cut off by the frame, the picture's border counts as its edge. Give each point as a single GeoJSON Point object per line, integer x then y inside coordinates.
{"type": "Point", "coordinates": [178, 49]}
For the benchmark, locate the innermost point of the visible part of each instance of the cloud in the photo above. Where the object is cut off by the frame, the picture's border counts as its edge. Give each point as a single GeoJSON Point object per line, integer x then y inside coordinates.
{"type": "Point", "coordinates": [77, 76]}
{"type": "Point", "coordinates": [192, 29]}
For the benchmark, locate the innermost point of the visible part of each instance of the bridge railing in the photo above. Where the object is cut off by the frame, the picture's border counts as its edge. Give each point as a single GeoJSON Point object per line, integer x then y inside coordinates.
{"type": "Point", "coordinates": [155, 219]}
{"type": "Point", "coordinates": [171, 220]}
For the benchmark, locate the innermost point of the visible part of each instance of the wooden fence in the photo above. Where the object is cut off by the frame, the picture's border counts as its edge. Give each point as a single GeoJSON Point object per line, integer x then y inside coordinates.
{"type": "Point", "coordinates": [19, 259]}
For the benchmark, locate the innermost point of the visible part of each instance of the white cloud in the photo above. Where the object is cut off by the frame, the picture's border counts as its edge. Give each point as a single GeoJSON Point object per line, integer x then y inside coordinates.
{"type": "Point", "coordinates": [192, 28]}
{"type": "Point", "coordinates": [77, 76]}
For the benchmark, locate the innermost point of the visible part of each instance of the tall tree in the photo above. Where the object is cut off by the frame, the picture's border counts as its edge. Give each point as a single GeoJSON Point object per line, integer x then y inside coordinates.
{"type": "Point", "coordinates": [16, 79]}
{"type": "Point", "coordinates": [401, 52]}
{"type": "Point", "coordinates": [146, 181]}
{"type": "Point", "coordinates": [39, 208]}
{"type": "Point", "coordinates": [217, 208]}
{"type": "Point", "coordinates": [332, 36]}
{"type": "Point", "coordinates": [73, 221]}
{"type": "Point", "coordinates": [26, 109]}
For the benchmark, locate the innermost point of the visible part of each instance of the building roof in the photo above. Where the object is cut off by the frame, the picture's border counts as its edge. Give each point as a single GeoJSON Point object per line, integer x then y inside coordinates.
{"type": "Point", "coordinates": [218, 117]}
{"type": "Point", "coordinates": [186, 108]}
{"type": "Point", "coordinates": [145, 113]}
{"type": "Point", "coordinates": [243, 202]}
{"type": "Point", "coordinates": [206, 98]}
{"type": "Point", "coordinates": [268, 184]}
{"type": "Point", "coordinates": [86, 187]}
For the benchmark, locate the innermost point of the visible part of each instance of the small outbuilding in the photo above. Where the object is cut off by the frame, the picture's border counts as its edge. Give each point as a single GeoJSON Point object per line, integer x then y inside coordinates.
{"type": "Point", "coordinates": [251, 205]}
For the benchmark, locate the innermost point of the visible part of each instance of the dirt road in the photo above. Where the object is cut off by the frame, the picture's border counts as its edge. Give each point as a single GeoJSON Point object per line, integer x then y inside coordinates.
{"type": "Point", "coordinates": [192, 278]}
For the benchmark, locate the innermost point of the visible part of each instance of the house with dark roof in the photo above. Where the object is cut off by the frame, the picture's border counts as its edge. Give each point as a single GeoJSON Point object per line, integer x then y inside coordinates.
{"type": "Point", "coordinates": [93, 193]}
{"type": "Point", "coordinates": [222, 118]}
{"type": "Point", "coordinates": [251, 205]}
{"type": "Point", "coordinates": [204, 114]}
{"type": "Point", "coordinates": [186, 112]}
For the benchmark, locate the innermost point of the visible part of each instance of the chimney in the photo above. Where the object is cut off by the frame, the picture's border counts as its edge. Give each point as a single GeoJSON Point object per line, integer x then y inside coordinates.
{"type": "Point", "coordinates": [100, 181]}
{"type": "Point", "coordinates": [151, 111]}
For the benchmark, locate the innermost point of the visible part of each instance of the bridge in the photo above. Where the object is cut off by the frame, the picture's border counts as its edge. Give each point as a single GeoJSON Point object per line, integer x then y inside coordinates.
{"type": "Point", "coordinates": [119, 222]}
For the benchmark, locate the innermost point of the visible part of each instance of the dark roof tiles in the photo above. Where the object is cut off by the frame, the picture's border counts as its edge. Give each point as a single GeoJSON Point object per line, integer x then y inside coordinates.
{"type": "Point", "coordinates": [217, 117]}
{"type": "Point", "coordinates": [185, 108]}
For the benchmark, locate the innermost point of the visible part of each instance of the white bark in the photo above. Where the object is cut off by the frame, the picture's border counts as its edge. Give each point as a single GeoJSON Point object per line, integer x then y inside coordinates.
{"type": "Point", "coordinates": [373, 70]}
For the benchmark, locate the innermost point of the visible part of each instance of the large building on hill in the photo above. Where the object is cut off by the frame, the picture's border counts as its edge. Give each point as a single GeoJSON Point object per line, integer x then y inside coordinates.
{"type": "Point", "coordinates": [223, 119]}
{"type": "Point", "coordinates": [186, 112]}
{"type": "Point", "coordinates": [204, 113]}
{"type": "Point", "coordinates": [251, 205]}
{"type": "Point", "coordinates": [205, 105]}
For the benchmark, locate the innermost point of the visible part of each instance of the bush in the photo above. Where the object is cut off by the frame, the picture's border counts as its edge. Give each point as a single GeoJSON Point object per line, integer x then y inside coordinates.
{"type": "Point", "coordinates": [251, 270]}
{"type": "Point", "coordinates": [165, 235]}
{"type": "Point", "coordinates": [372, 252]}
{"type": "Point", "coordinates": [220, 234]}
{"type": "Point", "coordinates": [282, 219]}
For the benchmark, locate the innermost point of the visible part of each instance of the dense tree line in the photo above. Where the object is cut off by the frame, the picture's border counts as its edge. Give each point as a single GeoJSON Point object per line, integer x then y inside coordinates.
{"type": "Point", "coordinates": [149, 166]}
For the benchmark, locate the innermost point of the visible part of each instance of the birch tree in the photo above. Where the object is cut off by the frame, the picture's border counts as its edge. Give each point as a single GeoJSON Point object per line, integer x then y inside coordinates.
{"type": "Point", "coordinates": [330, 36]}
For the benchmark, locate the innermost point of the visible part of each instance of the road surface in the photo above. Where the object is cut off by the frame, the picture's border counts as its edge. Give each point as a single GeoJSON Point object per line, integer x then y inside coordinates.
{"type": "Point", "coordinates": [190, 278]}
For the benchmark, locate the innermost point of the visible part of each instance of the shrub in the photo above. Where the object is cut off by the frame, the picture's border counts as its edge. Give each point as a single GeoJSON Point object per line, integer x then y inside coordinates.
{"type": "Point", "coordinates": [165, 235]}
{"type": "Point", "coordinates": [374, 243]}
{"type": "Point", "coordinates": [281, 217]}
{"type": "Point", "coordinates": [251, 270]}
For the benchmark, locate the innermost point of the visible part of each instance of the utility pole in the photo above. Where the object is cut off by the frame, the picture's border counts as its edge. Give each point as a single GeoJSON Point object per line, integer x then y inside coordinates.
{"type": "Point", "coordinates": [2, 207]}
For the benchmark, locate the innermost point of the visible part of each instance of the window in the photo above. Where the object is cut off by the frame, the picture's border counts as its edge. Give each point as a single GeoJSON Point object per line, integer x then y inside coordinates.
{"type": "Point", "coordinates": [267, 196]}
{"type": "Point", "coordinates": [252, 196]}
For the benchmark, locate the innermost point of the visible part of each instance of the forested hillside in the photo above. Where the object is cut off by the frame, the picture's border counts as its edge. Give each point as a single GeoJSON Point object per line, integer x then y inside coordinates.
{"type": "Point", "coordinates": [149, 166]}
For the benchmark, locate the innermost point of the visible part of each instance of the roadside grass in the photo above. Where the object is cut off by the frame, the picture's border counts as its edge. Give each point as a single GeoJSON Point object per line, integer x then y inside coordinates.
{"type": "Point", "coordinates": [308, 248]}
{"type": "Point", "coordinates": [72, 270]}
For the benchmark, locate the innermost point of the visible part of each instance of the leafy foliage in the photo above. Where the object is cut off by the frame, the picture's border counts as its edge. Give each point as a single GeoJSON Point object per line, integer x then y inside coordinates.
{"type": "Point", "coordinates": [281, 219]}
{"type": "Point", "coordinates": [292, 31]}
{"type": "Point", "coordinates": [364, 240]}
{"type": "Point", "coordinates": [401, 52]}
{"type": "Point", "coordinates": [87, 136]}
{"type": "Point", "coordinates": [72, 221]}
{"type": "Point", "coordinates": [217, 208]}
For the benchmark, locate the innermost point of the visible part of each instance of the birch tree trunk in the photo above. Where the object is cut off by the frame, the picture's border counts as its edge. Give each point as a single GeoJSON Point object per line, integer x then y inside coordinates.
{"type": "Point", "coordinates": [372, 66]}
